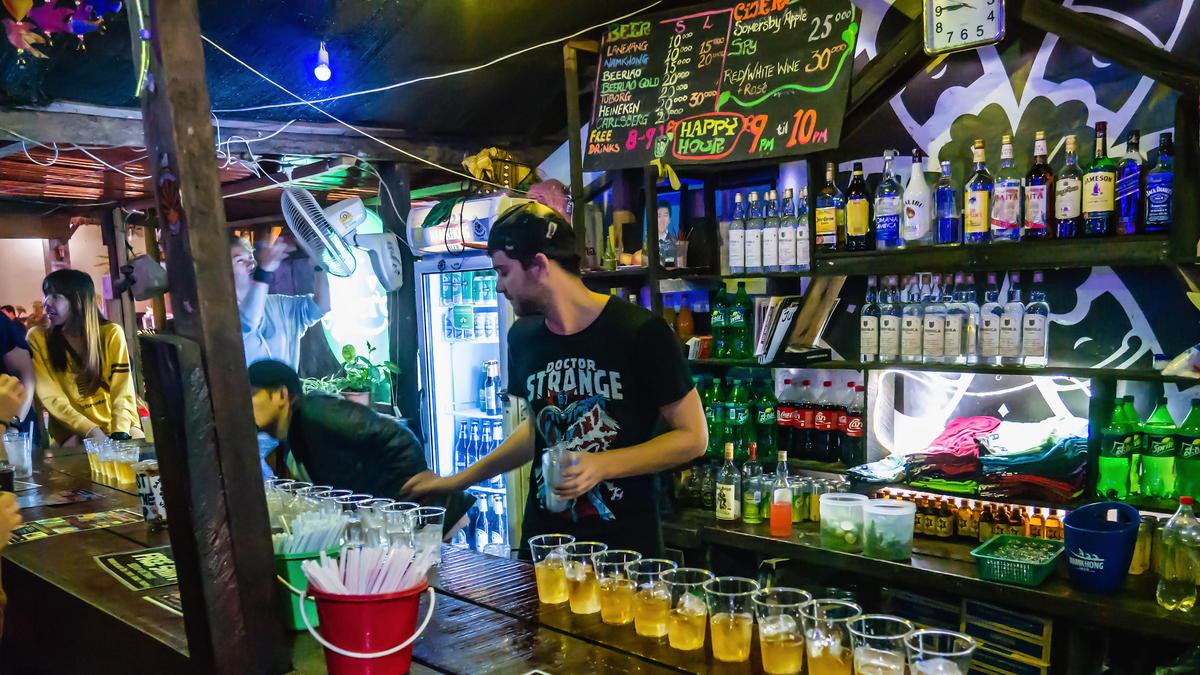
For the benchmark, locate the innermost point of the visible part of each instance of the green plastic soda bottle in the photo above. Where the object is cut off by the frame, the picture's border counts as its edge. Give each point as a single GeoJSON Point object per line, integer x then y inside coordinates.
{"type": "Point", "coordinates": [720, 327]}
{"type": "Point", "coordinates": [1116, 448]}
{"type": "Point", "coordinates": [1139, 445]}
{"type": "Point", "coordinates": [766, 421]}
{"type": "Point", "coordinates": [1187, 466]}
{"type": "Point", "coordinates": [1158, 462]}
{"type": "Point", "coordinates": [739, 428]}
{"type": "Point", "coordinates": [713, 410]}
{"type": "Point", "coordinates": [740, 325]}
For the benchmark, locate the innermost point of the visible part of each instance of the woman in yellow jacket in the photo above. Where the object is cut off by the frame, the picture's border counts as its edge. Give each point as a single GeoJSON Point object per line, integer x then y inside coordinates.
{"type": "Point", "coordinates": [81, 363]}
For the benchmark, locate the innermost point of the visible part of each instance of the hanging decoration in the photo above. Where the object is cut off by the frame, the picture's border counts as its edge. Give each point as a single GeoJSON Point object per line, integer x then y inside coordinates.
{"type": "Point", "coordinates": [34, 22]}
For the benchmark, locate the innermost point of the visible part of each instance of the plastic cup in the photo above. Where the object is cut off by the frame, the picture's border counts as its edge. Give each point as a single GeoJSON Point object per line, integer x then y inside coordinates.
{"type": "Point", "coordinates": [127, 455]}
{"type": "Point", "coordinates": [397, 523]}
{"type": "Point", "coordinates": [550, 566]}
{"type": "Point", "coordinates": [427, 522]}
{"type": "Point", "coordinates": [652, 600]}
{"type": "Point", "coordinates": [827, 638]}
{"type": "Point", "coordinates": [842, 521]}
{"type": "Point", "coordinates": [686, 620]}
{"type": "Point", "coordinates": [888, 529]}
{"type": "Point", "coordinates": [939, 652]}
{"type": "Point", "coordinates": [781, 628]}
{"type": "Point", "coordinates": [93, 455]}
{"type": "Point", "coordinates": [374, 532]}
{"type": "Point", "coordinates": [731, 617]}
{"type": "Point", "coordinates": [879, 644]}
{"type": "Point", "coordinates": [583, 587]}
{"type": "Point", "coordinates": [616, 588]}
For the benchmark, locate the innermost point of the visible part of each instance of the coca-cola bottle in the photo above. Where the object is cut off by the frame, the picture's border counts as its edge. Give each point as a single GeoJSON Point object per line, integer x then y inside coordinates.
{"type": "Point", "coordinates": [845, 400]}
{"type": "Point", "coordinates": [789, 407]}
{"type": "Point", "coordinates": [854, 439]}
{"type": "Point", "coordinates": [824, 433]}
{"type": "Point", "coordinates": [803, 424]}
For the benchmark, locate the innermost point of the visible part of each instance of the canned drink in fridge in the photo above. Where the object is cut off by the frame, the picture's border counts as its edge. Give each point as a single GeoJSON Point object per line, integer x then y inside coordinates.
{"type": "Point", "coordinates": [468, 284]}
{"type": "Point", "coordinates": [487, 292]}
{"type": "Point", "coordinates": [456, 290]}
{"type": "Point", "coordinates": [149, 484]}
{"type": "Point", "coordinates": [464, 322]}
{"type": "Point", "coordinates": [479, 323]}
{"type": "Point", "coordinates": [447, 289]}
{"type": "Point", "coordinates": [490, 327]}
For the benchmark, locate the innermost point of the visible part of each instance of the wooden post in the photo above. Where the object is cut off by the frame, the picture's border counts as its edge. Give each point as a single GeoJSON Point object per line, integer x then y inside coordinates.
{"type": "Point", "coordinates": [209, 461]}
{"type": "Point", "coordinates": [650, 238]}
{"type": "Point", "coordinates": [574, 147]}
{"type": "Point", "coordinates": [115, 234]}
{"type": "Point", "coordinates": [402, 305]}
{"type": "Point", "coordinates": [157, 304]}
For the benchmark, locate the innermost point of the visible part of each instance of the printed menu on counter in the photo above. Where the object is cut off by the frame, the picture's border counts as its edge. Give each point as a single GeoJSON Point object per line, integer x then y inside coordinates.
{"type": "Point", "coordinates": [723, 83]}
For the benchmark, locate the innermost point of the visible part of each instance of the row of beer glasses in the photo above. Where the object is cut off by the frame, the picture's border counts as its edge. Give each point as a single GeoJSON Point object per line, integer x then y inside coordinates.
{"type": "Point", "coordinates": [684, 604]}
{"type": "Point", "coordinates": [370, 520]}
{"type": "Point", "coordinates": [112, 460]}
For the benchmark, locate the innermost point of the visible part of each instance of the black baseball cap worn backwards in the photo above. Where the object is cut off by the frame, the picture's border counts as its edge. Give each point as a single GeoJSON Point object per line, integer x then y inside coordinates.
{"type": "Point", "coordinates": [525, 230]}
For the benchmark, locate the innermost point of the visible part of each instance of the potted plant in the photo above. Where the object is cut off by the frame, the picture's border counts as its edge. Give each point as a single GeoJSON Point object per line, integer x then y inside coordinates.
{"type": "Point", "coordinates": [357, 379]}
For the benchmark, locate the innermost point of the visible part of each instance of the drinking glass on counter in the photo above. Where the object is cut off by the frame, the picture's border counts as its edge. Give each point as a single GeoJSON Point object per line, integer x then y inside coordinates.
{"type": "Point", "coordinates": [616, 588]}
{"type": "Point", "coordinates": [731, 616]}
{"type": "Point", "coordinates": [374, 529]}
{"type": "Point", "coordinates": [652, 600]}
{"type": "Point", "coordinates": [827, 638]}
{"type": "Point", "coordinates": [127, 454]}
{"type": "Point", "coordinates": [398, 523]}
{"type": "Point", "coordinates": [879, 644]}
{"type": "Point", "coordinates": [550, 566]}
{"type": "Point", "coordinates": [780, 628]}
{"type": "Point", "coordinates": [939, 652]}
{"type": "Point", "coordinates": [93, 455]}
{"type": "Point", "coordinates": [686, 621]}
{"type": "Point", "coordinates": [427, 524]}
{"type": "Point", "coordinates": [583, 587]}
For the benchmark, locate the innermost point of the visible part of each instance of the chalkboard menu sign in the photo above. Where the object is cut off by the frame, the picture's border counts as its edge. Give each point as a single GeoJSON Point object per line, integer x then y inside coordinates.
{"type": "Point", "coordinates": [722, 83]}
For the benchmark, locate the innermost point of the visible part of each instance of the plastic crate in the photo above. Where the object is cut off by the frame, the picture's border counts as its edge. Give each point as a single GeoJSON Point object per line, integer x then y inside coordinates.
{"type": "Point", "coordinates": [995, 568]}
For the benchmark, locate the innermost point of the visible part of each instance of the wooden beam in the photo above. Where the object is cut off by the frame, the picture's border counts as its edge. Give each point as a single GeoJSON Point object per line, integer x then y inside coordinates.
{"type": "Point", "coordinates": [272, 181]}
{"type": "Point", "coordinates": [884, 76]}
{"type": "Point", "coordinates": [402, 304]}
{"type": "Point", "coordinates": [114, 232]}
{"type": "Point", "coordinates": [1101, 37]}
{"type": "Point", "coordinates": [10, 148]}
{"type": "Point", "coordinates": [575, 145]}
{"type": "Point", "coordinates": [21, 221]}
{"type": "Point", "coordinates": [95, 125]}
{"type": "Point", "coordinates": [197, 379]}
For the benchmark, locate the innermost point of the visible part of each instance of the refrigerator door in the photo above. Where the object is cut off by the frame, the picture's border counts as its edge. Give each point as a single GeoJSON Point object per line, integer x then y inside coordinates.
{"type": "Point", "coordinates": [464, 411]}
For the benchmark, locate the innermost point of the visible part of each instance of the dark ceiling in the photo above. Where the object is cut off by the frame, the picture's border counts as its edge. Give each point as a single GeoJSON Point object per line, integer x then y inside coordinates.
{"type": "Point", "coordinates": [371, 43]}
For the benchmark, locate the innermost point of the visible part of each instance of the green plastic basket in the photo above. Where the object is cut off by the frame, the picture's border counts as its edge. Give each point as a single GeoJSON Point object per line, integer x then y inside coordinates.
{"type": "Point", "coordinates": [995, 568]}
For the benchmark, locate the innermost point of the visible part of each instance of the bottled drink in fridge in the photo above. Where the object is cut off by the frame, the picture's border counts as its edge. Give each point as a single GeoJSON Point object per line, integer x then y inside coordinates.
{"type": "Point", "coordinates": [752, 492]}
{"type": "Point", "coordinates": [766, 414]}
{"type": "Point", "coordinates": [497, 526]}
{"type": "Point", "coordinates": [461, 445]}
{"type": "Point", "coordinates": [475, 445]}
{"type": "Point", "coordinates": [1179, 564]}
{"type": "Point", "coordinates": [739, 429]}
{"type": "Point", "coordinates": [1116, 449]}
{"type": "Point", "coordinates": [1158, 464]}
{"type": "Point", "coordinates": [741, 325]}
{"type": "Point", "coordinates": [497, 439]}
{"type": "Point", "coordinates": [719, 318]}
{"type": "Point", "coordinates": [1187, 465]}
{"type": "Point", "coordinates": [727, 495]}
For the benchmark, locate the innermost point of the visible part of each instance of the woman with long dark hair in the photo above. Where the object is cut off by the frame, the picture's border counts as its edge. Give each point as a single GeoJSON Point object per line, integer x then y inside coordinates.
{"type": "Point", "coordinates": [81, 363]}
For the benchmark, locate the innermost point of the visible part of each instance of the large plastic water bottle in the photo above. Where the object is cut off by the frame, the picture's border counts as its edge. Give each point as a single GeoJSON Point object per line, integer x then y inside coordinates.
{"type": "Point", "coordinates": [1180, 560]}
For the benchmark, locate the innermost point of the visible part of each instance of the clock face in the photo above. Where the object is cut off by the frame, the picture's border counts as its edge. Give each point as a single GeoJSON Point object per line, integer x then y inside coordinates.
{"type": "Point", "coordinates": [951, 25]}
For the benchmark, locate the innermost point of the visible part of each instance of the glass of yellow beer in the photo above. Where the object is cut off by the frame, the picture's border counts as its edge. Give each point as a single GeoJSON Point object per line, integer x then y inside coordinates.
{"type": "Point", "coordinates": [939, 652]}
{"type": "Point", "coordinates": [878, 641]}
{"type": "Point", "coordinates": [550, 566]}
{"type": "Point", "coordinates": [827, 636]}
{"type": "Point", "coordinates": [127, 454]}
{"type": "Point", "coordinates": [583, 586]}
{"type": "Point", "coordinates": [652, 599]}
{"type": "Point", "coordinates": [616, 588]}
{"type": "Point", "coordinates": [781, 629]}
{"type": "Point", "coordinates": [731, 617]}
{"type": "Point", "coordinates": [687, 618]}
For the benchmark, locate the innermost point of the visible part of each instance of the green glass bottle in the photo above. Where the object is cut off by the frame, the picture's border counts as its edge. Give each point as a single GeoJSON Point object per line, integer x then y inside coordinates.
{"type": "Point", "coordinates": [1187, 466]}
{"type": "Point", "coordinates": [752, 489]}
{"type": "Point", "coordinates": [1139, 444]}
{"type": "Point", "coordinates": [1099, 185]}
{"type": "Point", "coordinates": [1116, 447]}
{"type": "Point", "coordinates": [1158, 464]}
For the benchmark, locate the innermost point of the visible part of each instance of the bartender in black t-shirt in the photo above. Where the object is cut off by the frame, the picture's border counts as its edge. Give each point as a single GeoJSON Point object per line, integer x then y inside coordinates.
{"type": "Point", "coordinates": [602, 377]}
{"type": "Point", "coordinates": [15, 360]}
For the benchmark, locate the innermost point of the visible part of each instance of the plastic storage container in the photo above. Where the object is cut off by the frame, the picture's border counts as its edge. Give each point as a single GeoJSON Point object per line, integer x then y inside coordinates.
{"type": "Point", "coordinates": [1100, 539]}
{"type": "Point", "coordinates": [994, 565]}
{"type": "Point", "coordinates": [842, 521]}
{"type": "Point", "coordinates": [888, 529]}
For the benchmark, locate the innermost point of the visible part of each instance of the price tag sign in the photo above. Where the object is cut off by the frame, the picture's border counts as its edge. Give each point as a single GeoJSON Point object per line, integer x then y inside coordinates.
{"type": "Point", "coordinates": [723, 82]}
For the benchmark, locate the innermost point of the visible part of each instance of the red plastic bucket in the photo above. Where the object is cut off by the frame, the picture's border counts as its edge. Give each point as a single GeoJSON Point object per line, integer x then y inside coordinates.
{"type": "Point", "coordinates": [368, 625]}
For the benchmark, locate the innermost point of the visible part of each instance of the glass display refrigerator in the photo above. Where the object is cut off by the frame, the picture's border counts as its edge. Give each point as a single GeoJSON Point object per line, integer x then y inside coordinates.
{"type": "Point", "coordinates": [465, 409]}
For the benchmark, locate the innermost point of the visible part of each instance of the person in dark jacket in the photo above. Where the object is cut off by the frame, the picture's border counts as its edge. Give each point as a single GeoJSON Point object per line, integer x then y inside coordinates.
{"type": "Point", "coordinates": [340, 443]}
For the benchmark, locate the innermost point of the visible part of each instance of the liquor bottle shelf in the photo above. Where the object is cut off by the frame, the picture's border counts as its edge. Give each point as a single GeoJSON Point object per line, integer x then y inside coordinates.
{"type": "Point", "coordinates": [1049, 254]}
{"type": "Point", "coordinates": [622, 275]}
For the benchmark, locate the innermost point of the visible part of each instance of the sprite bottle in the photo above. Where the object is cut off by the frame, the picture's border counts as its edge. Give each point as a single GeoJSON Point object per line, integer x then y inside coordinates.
{"type": "Point", "coordinates": [713, 410]}
{"type": "Point", "coordinates": [1139, 445]}
{"type": "Point", "coordinates": [766, 422]}
{"type": "Point", "coordinates": [720, 325]}
{"type": "Point", "coordinates": [1117, 442]}
{"type": "Point", "coordinates": [1187, 466]}
{"type": "Point", "coordinates": [1158, 462]}
{"type": "Point", "coordinates": [739, 429]}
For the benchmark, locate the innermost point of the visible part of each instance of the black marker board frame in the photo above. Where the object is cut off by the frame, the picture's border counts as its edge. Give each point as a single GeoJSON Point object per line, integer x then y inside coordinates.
{"type": "Point", "coordinates": [723, 82]}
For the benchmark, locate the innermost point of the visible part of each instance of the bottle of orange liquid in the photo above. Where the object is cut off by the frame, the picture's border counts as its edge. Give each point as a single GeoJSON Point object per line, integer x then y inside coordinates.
{"type": "Point", "coordinates": [685, 326]}
{"type": "Point", "coordinates": [781, 499]}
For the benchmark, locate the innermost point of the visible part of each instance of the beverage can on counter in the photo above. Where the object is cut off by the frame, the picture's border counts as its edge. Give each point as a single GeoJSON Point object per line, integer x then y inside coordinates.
{"type": "Point", "coordinates": [149, 485]}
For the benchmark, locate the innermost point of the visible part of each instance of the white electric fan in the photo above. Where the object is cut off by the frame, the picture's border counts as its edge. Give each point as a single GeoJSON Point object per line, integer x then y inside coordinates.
{"type": "Point", "coordinates": [329, 235]}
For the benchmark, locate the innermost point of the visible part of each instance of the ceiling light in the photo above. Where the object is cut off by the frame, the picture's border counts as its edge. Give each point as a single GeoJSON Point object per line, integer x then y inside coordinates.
{"type": "Point", "coordinates": [322, 71]}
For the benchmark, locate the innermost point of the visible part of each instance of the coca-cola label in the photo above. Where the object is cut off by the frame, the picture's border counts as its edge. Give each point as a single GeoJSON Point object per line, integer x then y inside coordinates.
{"type": "Point", "coordinates": [842, 419]}
{"type": "Point", "coordinates": [787, 416]}
{"type": "Point", "coordinates": [854, 426]}
{"type": "Point", "coordinates": [806, 418]}
{"type": "Point", "coordinates": [824, 420]}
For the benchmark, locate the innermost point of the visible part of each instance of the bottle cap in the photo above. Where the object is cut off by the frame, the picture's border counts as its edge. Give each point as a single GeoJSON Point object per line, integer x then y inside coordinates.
{"type": "Point", "coordinates": [828, 383]}
{"type": "Point", "coordinates": [1186, 501]}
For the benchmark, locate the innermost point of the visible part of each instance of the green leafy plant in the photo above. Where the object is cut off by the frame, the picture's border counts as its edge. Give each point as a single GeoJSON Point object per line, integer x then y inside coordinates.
{"type": "Point", "coordinates": [357, 374]}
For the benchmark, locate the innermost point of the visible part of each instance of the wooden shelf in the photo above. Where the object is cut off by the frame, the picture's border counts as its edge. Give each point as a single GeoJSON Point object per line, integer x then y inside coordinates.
{"type": "Point", "coordinates": [1050, 254]}
{"type": "Point", "coordinates": [946, 567]}
{"type": "Point", "coordinates": [621, 278]}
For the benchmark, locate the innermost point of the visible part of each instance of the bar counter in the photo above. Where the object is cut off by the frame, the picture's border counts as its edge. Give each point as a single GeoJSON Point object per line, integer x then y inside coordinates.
{"type": "Point", "coordinates": [66, 613]}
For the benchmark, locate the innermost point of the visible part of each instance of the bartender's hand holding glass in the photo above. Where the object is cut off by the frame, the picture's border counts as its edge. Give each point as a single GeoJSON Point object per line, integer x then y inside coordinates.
{"type": "Point", "coordinates": [587, 469]}
{"type": "Point", "coordinates": [12, 396]}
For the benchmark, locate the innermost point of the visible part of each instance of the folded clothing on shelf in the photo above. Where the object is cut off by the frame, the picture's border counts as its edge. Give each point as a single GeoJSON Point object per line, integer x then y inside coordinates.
{"type": "Point", "coordinates": [962, 487]}
{"type": "Point", "coordinates": [1011, 438]}
{"type": "Point", "coordinates": [954, 454]}
{"type": "Point", "coordinates": [890, 469]}
{"type": "Point", "coordinates": [1056, 473]}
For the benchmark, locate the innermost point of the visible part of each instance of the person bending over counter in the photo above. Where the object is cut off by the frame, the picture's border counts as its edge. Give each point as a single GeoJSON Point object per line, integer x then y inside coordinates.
{"type": "Point", "coordinates": [12, 398]}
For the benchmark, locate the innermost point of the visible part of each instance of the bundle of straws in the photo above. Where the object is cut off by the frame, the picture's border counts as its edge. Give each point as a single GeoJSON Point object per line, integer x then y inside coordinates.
{"type": "Point", "coordinates": [309, 531]}
{"type": "Point", "coordinates": [369, 571]}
